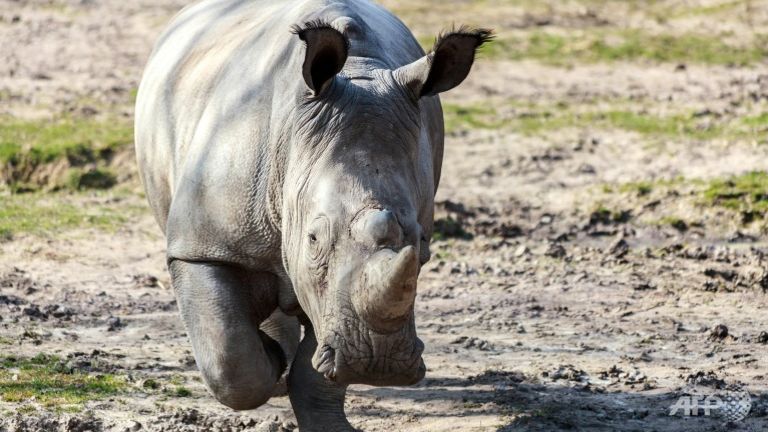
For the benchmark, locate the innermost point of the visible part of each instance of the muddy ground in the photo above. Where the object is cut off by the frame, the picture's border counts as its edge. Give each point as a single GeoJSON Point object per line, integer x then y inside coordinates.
{"type": "Point", "coordinates": [589, 270]}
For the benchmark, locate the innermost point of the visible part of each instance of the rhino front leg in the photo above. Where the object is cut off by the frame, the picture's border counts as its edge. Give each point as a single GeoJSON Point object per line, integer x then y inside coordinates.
{"type": "Point", "coordinates": [223, 307]}
{"type": "Point", "coordinates": [317, 402]}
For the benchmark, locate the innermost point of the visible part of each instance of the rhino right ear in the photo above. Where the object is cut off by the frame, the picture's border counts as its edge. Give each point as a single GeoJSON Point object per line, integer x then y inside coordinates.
{"type": "Point", "coordinates": [327, 51]}
{"type": "Point", "coordinates": [447, 65]}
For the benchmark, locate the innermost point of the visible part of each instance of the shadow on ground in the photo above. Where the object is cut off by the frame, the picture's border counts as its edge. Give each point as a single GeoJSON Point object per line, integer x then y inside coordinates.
{"type": "Point", "coordinates": [524, 405]}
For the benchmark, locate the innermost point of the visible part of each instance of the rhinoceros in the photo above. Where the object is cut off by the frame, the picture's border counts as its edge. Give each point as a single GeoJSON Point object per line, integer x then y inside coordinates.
{"type": "Point", "coordinates": [290, 152]}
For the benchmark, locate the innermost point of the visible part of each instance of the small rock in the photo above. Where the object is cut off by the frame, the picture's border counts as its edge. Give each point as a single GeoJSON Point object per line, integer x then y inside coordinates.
{"type": "Point", "coordinates": [556, 250]}
{"type": "Point", "coordinates": [500, 272]}
{"type": "Point", "coordinates": [726, 275]}
{"type": "Point", "coordinates": [762, 338]}
{"type": "Point", "coordinates": [720, 332]}
{"type": "Point", "coordinates": [644, 286]}
{"type": "Point", "coordinates": [114, 324]}
{"type": "Point", "coordinates": [146, 281]}
{"type": "Point", "coordinates": [506, 230]}
{"type": "Point", "coordinates": [679, 225]}
{"type": "Point", "coordinates": [521, 250]}
{"type": "Point", "coordinates": [61, 312]}
{"type": "Point", "coordinates": [566, 372]}
{"type": "Point", "coordinates": [34, 312]}
{"type": "Point", "coordinates": [619, 248]}
{"type": "Point", "coordinates": [269, 426]}
{"type": "Point", "coordinates": [706, 379]}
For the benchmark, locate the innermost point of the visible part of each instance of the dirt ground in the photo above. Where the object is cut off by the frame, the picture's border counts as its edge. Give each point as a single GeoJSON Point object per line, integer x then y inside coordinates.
{"type": "Point", "coordinates": [580, 280]}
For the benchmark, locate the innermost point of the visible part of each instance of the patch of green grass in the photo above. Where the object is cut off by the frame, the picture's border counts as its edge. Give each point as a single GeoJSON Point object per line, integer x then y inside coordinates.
{"type": "Point", "coordinates": [45, 379]}
{"type": "Point", "coordinates": [595, 46]}
{"type": "Point", "coordinates": [38, 213]}
{"type": "Point", "coordinates": [26, 409]}
{"type": "Point", "coordinates": [746, 193]}
{"type": "Point", "coordinates": [675, 222]}
{"type": "Point", "coordinates": [708, 9]}
{"type": "Point", "coordinates": [470, 117]}
{"type": "Point", "coordinates": [653, 125]}
{"type": "Point", "coordinates": [79, 140]}
{"type": "Point", "coordinates": [758, 121]}
{"type": "Point", "coordinates": [28, 148]}
{"type": "Point", "coordinates": [536, 120]}
{"type": "Point", "coordinates": [95, 178]}
{"type": "Point", "coordinates": [182, 392]}
{"type": "Point", "coordinates": [641, 188]}
{"type": "Point", "coordinates": [150, 384]}
{"type": "Point", "coordinates": [606, 216]}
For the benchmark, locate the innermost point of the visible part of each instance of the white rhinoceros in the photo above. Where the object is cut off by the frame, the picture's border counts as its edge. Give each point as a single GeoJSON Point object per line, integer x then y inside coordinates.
{"type": "Point", "coordinates": [290, 151]}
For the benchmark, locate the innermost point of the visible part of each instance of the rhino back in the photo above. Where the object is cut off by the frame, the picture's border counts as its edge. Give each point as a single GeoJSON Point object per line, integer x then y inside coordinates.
{"type": "Point", "coordinates": [211, 132]}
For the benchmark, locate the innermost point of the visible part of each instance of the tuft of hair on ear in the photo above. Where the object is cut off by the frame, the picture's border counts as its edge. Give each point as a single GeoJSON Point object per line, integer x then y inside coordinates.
{"type": "Point", "coordinates": [318, 24]}
{"type": "Point", "coordinates": [481, 36]}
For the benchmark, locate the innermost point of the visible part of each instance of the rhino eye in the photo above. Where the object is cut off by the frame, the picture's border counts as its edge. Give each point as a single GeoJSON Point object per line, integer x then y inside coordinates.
{"type": "Point", "coordinates": [319, 235]}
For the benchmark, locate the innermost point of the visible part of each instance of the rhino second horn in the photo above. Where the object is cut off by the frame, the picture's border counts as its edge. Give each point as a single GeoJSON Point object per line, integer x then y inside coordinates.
{"type": "Point", "coordinates": [388, 290]}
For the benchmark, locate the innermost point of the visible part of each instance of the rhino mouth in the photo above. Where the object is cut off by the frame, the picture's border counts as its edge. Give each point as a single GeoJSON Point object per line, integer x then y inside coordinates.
{"type": "Point", "coordinates": [371, 358]}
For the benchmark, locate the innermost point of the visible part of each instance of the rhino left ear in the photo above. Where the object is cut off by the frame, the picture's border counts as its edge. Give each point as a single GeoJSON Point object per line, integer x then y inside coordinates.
{"type": "Point", "coordinates": [327, 51]}
{"type": "Point", "coordinates": [447, 65]}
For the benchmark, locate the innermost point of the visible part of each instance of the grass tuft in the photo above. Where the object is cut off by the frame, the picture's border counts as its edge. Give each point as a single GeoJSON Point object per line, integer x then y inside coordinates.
{"type": "Point", "coordinates": [40, 214]}
{"type": "Point", "coordinates": [78, 140]}
{"type": "Point", "coordinates": [535, 120]}
{"type": "Point", "coordinates": [600, 46]}
{"type": "Point", "coordinates": [94, 178]}
{"type": "Point", "coordinates": [746, 193]}
{"type": "Point", "coordinates": [182, 392]}
{"type": "Point", "coordinates": [38, 154]}
{"type": "Point", "coordinates": [46, 380]}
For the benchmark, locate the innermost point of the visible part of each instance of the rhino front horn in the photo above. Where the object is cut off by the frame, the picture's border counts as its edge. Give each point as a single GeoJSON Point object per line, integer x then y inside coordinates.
{"type": "Point", "coordinates": [388, 289]}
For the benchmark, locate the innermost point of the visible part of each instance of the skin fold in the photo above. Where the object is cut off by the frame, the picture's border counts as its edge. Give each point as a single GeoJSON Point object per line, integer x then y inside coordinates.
{"type": "Point", "coordinates": [291, 152]}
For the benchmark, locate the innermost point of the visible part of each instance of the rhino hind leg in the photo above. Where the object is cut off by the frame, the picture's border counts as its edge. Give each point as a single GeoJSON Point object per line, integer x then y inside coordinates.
{"type": "Point", "coordinates": [317, 402]}
{"type": "Point", "coordinates": [223, 308]}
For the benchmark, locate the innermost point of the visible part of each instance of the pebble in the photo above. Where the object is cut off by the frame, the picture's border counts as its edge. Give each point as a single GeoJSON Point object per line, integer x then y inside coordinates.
{"type": "Point", "coordinates": [720, 332]}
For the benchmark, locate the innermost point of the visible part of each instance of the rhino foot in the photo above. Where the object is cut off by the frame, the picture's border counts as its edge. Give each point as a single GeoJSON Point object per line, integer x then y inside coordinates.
{"type": "Point", "coordinates": [317, 400]}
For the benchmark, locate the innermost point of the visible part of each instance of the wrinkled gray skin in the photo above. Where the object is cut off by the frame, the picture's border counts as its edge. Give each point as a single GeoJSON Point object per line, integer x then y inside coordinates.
{"type": "Point", "coordinates": [290, 151]}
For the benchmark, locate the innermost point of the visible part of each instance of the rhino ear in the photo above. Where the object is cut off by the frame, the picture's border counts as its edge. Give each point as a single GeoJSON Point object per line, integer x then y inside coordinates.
{"type": "Point", "coordinates": [327, 51]}
{"type": "Point", "coordinates": [447, 65]}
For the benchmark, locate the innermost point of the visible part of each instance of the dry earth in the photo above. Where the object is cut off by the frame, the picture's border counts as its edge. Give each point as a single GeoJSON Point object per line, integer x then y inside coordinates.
{"type": "Point", "coordinates": [584, 278]}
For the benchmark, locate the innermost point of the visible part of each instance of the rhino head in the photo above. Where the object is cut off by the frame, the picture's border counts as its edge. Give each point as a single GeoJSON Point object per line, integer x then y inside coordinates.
{"type": "Point", "coordinates": [358, 200]}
